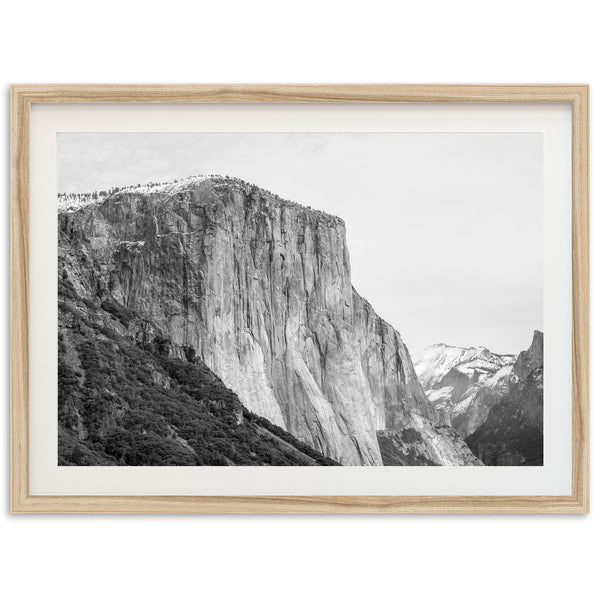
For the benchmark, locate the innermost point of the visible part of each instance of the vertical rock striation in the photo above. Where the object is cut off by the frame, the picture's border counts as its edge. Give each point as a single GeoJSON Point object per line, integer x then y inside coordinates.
{"type": "Point", "coordinates": [259, 288]}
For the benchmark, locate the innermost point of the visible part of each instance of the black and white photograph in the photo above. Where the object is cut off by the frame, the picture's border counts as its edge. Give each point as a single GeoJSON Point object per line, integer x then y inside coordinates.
{"type": "Point", "coordinates": [300, 299]}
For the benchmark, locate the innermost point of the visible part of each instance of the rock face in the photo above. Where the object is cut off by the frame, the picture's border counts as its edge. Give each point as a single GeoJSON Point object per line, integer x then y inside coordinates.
{"type": "Point", "coordinates": [259, 289]}
{"type": "Point", "coordinates": [531, 359]}
{"type": "Point", "coordinates": [464, 383]}
{"type": "Point", "coordinates": [122, 402]}
{"type": "Point", "coordinates": [513, 433]}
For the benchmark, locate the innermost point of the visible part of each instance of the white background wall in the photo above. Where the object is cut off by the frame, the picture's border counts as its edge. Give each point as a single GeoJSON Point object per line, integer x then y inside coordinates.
{"type": "Point", "coordinates": [461, 41]}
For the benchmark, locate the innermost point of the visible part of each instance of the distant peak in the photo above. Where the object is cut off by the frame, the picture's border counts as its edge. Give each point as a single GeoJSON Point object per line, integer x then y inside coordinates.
{"type": "Point", "coordinates": [471, 350]}
{"type": "Point", "coordinates": [537, 342]}
{"type": "Point", "coordinates": [450, 346]}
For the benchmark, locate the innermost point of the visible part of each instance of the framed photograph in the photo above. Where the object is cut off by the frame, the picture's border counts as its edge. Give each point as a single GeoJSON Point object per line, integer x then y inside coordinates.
{"type": "Point", "coordinates": [300, 298]}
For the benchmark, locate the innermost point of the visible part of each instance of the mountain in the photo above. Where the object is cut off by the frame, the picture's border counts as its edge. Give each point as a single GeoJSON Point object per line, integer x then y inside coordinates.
{"type": "Point", "coordinates": [513, 434]}
{"type": "Point", "coordinates": [256, 290]}
{"type": "Point", "coordinates": [463, 383]}
{"type": "Point", "coordinates": [494, 401]}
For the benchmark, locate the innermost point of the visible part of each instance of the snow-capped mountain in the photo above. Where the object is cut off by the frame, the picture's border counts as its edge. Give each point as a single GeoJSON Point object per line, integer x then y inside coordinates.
{"type": "Point", "coordinates": [463, 383]}
{"type": "Point", "coordinates": [495, 401]}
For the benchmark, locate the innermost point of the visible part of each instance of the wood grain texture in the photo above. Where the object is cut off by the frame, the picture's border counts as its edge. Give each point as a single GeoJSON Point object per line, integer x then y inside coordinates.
{"type": "Point", "coordinates": [21, 98]}
{"type": "Point", "coordinates": [300, 504]}
{"type": "Point", "coordinates": [58, 93]}
{"type": "Point", "coordinates": [19, 298]}
{"type": "Point", "coordinates": [580, 241]}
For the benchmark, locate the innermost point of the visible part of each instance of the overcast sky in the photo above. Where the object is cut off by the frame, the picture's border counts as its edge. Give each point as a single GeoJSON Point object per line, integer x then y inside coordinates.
{"type": "Point", "coordinates": [444, 229]}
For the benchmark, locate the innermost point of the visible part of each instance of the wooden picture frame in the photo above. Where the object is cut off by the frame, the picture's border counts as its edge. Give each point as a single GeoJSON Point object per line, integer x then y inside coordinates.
{"type": "Point", "coordinates": [23, 96]}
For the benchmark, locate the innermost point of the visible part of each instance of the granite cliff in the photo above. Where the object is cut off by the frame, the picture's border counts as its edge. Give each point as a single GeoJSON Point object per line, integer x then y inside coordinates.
{"type": "Point", "coordinates": [258, 289]}
{"type": "Point", "coordinates": [122, 402]}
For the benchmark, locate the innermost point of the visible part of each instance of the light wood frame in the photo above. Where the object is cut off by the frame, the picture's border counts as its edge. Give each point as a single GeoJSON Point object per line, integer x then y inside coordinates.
{"type": "Point", "coordinates": [22, 96]}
